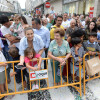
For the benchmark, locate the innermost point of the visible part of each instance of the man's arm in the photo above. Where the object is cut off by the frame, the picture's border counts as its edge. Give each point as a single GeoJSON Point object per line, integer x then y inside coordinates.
{"type": "Point", "coordinates": [11, 38]}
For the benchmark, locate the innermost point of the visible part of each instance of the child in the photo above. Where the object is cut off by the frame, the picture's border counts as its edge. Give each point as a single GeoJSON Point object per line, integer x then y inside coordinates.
{"type": "Point", "coordinates": [98, 35]}
{"type": "Point", "coordinates": [17, 28]}
{"type": "Point", "coordinates": [2, 73]}
{"type": "Point", "coordinates": [30, 54]}
{"type": "Point", "coordinates": [13, 51]}
{"type": "Point", "coordinates": [91, 46]}
{"type": "Point", "coordinates": [77, 53]}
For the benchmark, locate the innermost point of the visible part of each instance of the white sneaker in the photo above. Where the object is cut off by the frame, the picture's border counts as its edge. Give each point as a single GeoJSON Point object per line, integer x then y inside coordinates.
{"type": "Point", "coordinates": [36, 86]}
{"type": "Point", "coordinates": [33, 87]}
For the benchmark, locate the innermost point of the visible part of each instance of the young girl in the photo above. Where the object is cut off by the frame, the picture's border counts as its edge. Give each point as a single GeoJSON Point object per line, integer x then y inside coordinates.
{"type": "Point", "coordinates": [32, 65]}
{"type": "Point", "coordinates": [17, 28]}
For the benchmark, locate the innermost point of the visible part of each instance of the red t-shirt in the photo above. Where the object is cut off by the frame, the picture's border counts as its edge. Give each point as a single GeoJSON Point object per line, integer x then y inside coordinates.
{"type": "Point", "coordinates": [32, 63]}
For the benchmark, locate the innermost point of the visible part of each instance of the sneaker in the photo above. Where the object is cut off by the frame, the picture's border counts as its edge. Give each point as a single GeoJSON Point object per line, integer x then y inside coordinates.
{"type": "Point", "coordinates": [36, 86]}
{"type": "Point", "coordinates": [33, 87]}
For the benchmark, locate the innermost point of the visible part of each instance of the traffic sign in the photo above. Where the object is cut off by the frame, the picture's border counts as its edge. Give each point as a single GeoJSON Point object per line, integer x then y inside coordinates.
{"type": "Point", "coordinates": [47, 5]}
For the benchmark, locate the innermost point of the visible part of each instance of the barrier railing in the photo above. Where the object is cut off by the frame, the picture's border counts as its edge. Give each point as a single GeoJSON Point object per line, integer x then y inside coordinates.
{"type": "Point", "coordinates": [85, 78]}
{"type": "Point", "coordinates": [76, 85]}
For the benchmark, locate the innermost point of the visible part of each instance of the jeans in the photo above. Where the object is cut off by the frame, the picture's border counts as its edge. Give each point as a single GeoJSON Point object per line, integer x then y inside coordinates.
{"type": "Point", "coordinates": [8, 58]}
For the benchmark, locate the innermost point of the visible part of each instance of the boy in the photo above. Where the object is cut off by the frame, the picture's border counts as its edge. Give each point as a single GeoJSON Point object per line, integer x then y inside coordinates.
{"type": "Point", "coordinates": [90, 45]}
{"type": "Point", "coordinates": [77, 52]}
{"type": "Point", "coordinates": [13, 51]}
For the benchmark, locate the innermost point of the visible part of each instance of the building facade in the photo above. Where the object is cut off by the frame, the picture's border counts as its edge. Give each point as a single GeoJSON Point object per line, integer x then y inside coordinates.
{"type": "Point", "coordinates": [10, 6]}
{"type": "Point", "coordinates": [81, 6]}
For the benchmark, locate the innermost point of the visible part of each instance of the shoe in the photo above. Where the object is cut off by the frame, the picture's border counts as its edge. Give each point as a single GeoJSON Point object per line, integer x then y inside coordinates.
{"type": "Point", "coordinates": [36, 86]}
{"type": "Point", "coordinates": [33, 87]}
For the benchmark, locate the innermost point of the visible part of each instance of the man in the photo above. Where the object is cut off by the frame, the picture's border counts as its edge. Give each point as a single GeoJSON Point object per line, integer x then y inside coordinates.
{"type": "Point", "coordinates": [65, 22]}
{"type": "Point", "coordinates": [58, 21]}
{"type": "Point", "coordinates": [82, 20]}
{"type": "Point", "coordinates": [71, 29]}
{"type": "Point", "coordinates": [43, 32]}
{"type": "Point", "coordinates": [52, 11]}
{"type": "Point", "coordinates": [5, 29]}
{"type": "Point", "coordinates": [11, 40]}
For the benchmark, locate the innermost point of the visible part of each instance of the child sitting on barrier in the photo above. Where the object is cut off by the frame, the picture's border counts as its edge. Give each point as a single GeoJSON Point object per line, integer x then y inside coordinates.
{"type": "Point", "coordinates": [77, 52]}
{"type": "Point", "coordinates": [32, 65]}
{"type": "Point", "coordinates": [90, 46]}
{"type": "Point", "coordinates": [13, 51]}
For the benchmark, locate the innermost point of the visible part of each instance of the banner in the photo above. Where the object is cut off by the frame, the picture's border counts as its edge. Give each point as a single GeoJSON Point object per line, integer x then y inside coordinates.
{"type": "Point", "coordinates": [91, 12]}
{"type": "Point", "coordinates": [36, 75]}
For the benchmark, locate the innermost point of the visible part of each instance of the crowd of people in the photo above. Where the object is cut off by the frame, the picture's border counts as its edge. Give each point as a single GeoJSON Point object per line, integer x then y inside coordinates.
{"type": "Point", "coordinates": [49, 36]}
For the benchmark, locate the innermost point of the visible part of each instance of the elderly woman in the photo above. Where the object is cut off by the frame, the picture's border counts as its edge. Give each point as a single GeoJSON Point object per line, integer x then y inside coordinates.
{"type": "Point", "coordinates": [58, 47]}
{"type": "Point", "coordinates": [30, 40]}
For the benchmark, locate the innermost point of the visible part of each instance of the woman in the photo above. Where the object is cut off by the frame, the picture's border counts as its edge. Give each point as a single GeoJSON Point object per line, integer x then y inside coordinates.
{"type": "Point", "coordinates": [30, 40]}
{"type": "Point", "coordinates": [24, 22]}
{"type": "Point", "coordinates": [58, 47]}
{"type": "Point", "coordinates": [92, 27]}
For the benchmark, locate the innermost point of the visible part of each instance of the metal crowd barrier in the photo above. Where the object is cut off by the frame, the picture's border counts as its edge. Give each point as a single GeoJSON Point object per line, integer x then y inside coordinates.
{"type": "Point", "coordinates": [76, 85]}
{"type": "Point", "coordinates": [85, 78]}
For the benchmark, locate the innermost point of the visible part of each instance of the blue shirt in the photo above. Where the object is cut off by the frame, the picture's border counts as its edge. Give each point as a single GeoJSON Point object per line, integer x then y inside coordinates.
{"type": "Point", "coordinates": [44, 33]}
{"type": "Point", "coordinates": [98, 35]}
{"type": "Point", "coordinates": [1, 44]}
{"type": "Point", "coordinates": [37, 44]}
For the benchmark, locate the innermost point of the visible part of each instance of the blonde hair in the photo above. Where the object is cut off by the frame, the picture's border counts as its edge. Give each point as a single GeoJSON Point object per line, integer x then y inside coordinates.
{"type": "Point", "coordinates": [28, 28]}
{"type": "Point", "coordinates": [60, 31]}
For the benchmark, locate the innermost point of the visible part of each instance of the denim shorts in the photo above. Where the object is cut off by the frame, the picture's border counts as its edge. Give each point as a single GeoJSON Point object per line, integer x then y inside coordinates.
{"type": "Point", "coordinates": [76, 70]}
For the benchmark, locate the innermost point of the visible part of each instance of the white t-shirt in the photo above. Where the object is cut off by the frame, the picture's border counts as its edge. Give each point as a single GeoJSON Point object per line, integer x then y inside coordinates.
{"type": "Point", "coordinates": [83, 23]}
{"type": "Point", "coordinates": [48, 19]}
{"type": "Point", "coordinates": [2, 59]}
{"type": "Point", "coordinates": [66, 24]}
{"type": "Point", "coordinates": [6, 31]}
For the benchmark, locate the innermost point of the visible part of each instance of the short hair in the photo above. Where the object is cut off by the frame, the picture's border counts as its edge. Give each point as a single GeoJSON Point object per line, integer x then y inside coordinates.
{"type": "Point", "coordinates": [47, 15]}
{"type": "Point", "coordinates": [59, 16]}
{"type": "Point", "coordinates": [78, 33]}
{"type": "Point", "coordinates": [24, 19]}
{"type": "Point", "coordinates": [14, 52]}
{"type": "Point", "coordinates": [37, 21]}
{"type": "Point", "coordinates": [98, 27]}
{"type": "Point", "coordinates": [29, 50]}
{"type": "Point", "coordinates": [4, 19]}
{"type": "Point", "coordinates": [76, 41]}
{"type": "Point", "coordinates": [60, 31]}
{"type": "Point", "coordinates": [92, 34]}
{"type": "Point", "coordinates": [65, 13]}
{"type": "Point", "coordinates": [28, 28]}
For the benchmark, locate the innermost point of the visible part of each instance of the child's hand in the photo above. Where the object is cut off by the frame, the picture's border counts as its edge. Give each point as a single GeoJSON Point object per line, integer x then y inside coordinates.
{"type": "Point", "coordinates": [34, 68]}
{"type": "Point", "coordinates": [34, 59]}
{"type": "Point", "coordinates": [4, 64]}
{"type": "Point", "coordinates": [80, 59]}
{"type": "Point", "coordinates": [39, 67]}
{"type": "Point", "coordinates": [76, 48]}
{"type": "Point", "coordinates": [11, 29]}
{"type": "Point", "coordinates": [12, 74]}
{"type": "Point", "coordinates": [90, 52]}
{"type": "Point", "coordinates": [93, 53]}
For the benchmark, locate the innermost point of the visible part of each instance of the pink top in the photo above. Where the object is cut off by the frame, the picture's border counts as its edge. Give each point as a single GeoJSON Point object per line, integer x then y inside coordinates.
{"type": "Point", "coordinates": [32, 63]}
